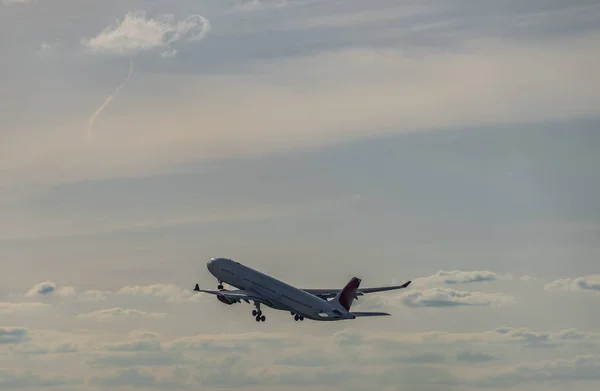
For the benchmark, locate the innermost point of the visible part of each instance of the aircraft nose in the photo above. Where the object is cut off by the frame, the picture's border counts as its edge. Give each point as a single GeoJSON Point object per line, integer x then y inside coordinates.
{"type": "Point", "coordinates": [209, 264]}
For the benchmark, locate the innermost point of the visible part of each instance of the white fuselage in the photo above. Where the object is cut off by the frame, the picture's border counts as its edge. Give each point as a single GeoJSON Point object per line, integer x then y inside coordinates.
{"type": "Point", "coordinates": [279, 295]}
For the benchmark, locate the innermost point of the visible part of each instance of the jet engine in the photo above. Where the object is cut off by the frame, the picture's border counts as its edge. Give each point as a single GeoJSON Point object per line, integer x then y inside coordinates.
{"type": "Point", "coordinates": [227, 301]}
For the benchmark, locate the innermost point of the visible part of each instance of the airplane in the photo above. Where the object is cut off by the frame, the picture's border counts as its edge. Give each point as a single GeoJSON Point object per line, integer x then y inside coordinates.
{"type": "Point", "coordinates": [301, 303]}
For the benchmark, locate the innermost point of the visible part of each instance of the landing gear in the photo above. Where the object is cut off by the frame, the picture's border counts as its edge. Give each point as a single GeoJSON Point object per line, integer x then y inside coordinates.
{"type": "Point", "coordinates": [298, 318]}
{"type": "Point", "coordinates": [220, 286]}
{"type": "Point", "coordinates": [257, 313]}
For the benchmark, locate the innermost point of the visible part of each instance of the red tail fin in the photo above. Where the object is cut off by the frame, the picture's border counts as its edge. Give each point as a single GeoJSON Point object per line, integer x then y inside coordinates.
{"type": "Point", "coordinates": [346, 296]}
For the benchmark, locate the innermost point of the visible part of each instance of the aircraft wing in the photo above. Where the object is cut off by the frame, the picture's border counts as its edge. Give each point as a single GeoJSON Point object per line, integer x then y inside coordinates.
{"type": "Point", "coordinates": [234, 296]}
{"type": "Point", "coordinates": [360, 314]}
{"type": "Point", "coordinates": [328, 293]}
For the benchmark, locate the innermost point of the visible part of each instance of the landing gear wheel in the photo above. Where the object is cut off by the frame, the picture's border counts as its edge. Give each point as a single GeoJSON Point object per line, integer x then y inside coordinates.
{"type": "Point", "coordinates": [257, 313]}
{"type": "Point", "coordinates": [220, 286]}
{"type": "Point", "coordinates": [296, 318]}
{"type": "Point", "coordinates": [301, 318]}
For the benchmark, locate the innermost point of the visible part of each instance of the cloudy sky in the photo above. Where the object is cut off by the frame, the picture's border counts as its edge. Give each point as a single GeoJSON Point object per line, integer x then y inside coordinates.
{"type": "Point", "coordinates": [452, 143]}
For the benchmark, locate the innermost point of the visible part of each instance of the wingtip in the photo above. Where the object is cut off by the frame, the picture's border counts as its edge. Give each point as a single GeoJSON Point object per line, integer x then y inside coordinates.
{"type": "Point", "coordinates": [407, 284]}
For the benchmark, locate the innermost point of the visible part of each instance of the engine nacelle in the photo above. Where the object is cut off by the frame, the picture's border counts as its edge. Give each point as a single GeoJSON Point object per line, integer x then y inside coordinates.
{"type": "Point", "coordinates": [225, 300]}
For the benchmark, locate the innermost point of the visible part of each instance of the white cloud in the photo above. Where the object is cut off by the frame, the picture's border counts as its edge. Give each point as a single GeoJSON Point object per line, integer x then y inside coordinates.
{"type": "Point", "coordinates": [138, 33]}
{"type": "Point", "coordinates": [120, 313]}
{"type": "Point", "coordinates": [439, 297]}
{"type": "Point", "coordinates": [580, 284]}
{"type": "Point", "coordinates": [460, 277]}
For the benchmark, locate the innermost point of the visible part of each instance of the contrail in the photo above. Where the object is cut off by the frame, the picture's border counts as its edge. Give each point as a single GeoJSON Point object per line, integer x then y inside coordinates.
{"type": "Point", "coordinates": [107, 101]}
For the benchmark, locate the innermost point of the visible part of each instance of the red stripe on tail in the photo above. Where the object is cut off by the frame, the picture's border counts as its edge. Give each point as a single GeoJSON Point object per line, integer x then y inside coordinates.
{"type": "Point", "coordinates": [346, 295]}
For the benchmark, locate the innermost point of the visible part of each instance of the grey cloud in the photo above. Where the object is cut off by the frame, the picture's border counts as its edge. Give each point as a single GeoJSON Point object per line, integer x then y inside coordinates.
{"type": "Point", "coordinates": [579, 368]}
{"type": "Point", "coordinates": [443, 298]}
{"type": "Point", "coordinates": [476, 357]}
{"type": "Point", "coordinates": [28, 379]}
{"type": "Point", "coordinates": [456, 277]}
{"type": "Point", "coordinates": [233, 342]}
{"type": "Point", "coordinates": [323, 376]}
{"type": "Point", "coordinates": [11, 2]}
{"type": "Point", "coordinates": [35, 349]}
{"type": "Point", "coordinates": [167, 292]}
{"type": "Point", "coordinates": [205, 344]}
{"type": "Point", "coordinates": [305, 358]}
{"type": "Point", "coordinates": [348, 338]}
{"type": "Point", "coordinates": [537, 339]}
{"type": "Point", "coordinates": [254, 5]}
{"type": "Point", "coordinates": [44, 288]}
{"type": "Point", "coordinates": [139, 379]}
{"type": "Point", "coordinates": [420, 358]}
{"type": "Point", "coordinates": [143, 334]}
{"type": "Point", "coordinates": [139, 359]}
{"type": "Point", "coordinates": [573, 335]}
{"type": "Point", "coordinates": [231, 372]}
{"type": "Point", "coordinates": [460, 277]}
{"type": "Point", "coordinates": [15, 308]}
{"type": "Point", "coordinates": [135, 346]}
{"type": "Point", "coordinates": [50, 288]}
{"type": "Point", "coordinates": [14, 335]}
{"type": "Point", "coordinates": [120, 313]}
{"type": "Point", "coordinates": [502, 335]}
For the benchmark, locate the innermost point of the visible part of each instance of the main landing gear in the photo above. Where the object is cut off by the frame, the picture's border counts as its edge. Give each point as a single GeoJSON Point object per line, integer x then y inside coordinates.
{"type": "Point", "coordinates": [257, 313]}
{"type": "Point", "coordinates": [297, 317]}
{"type": "Point", "coordinates": [220, 286]}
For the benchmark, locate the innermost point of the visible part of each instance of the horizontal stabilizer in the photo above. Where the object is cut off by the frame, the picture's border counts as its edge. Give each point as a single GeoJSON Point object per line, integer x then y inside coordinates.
{"type": "Point", "coordinates": [361, 314]}
{"type": "Point", "coordinates": [384, 288]}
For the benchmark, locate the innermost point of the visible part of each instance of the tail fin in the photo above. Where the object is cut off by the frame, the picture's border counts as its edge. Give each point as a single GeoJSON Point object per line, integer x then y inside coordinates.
{"type": "Point", "coordinates": [346, 296]}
